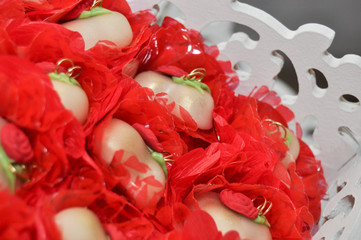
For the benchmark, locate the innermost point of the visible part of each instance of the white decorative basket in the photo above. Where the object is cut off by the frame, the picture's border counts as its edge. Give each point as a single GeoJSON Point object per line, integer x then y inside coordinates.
{"type": "Point", "coordinates": [334, 107]}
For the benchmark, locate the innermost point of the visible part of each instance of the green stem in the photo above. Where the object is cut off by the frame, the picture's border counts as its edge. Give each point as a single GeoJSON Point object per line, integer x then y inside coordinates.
{"type": "Point", "coordinates": [288, 138]}
{"type": "Point", "coordinates": [160, 160]}
{"type": "Point", "coordinates": [5, 163]}
{"type": "Point", "coordinates": [192, 83]}
{"type": "Point", "coordinates": [63, 77]}
{"type": "Point", "coordinates": [94, 12]}
{"type": "Point", "coordinates": [261, 220]}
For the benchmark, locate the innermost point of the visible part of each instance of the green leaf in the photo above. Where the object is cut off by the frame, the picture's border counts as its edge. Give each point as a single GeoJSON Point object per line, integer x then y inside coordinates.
{"type": "Point", "coordinates": [192, 83]}
{"type": "Point", "coordinates": [63, 77]}
{"type": "Point", "coordinates": [5, 163]}
{"type": "Point", "coordinates": [288, 140]}
{"type": "Point", "coordinates": [94, 12]}
{"type": "Point", "coordinates": [160, 160]}
{"type": "Point", "coordinates": [261, 220]}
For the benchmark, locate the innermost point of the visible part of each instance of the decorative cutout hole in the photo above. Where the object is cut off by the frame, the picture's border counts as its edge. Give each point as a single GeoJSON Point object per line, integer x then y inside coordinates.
{"type": "Point", "coordinates": [319, 82]}
{"type": "Point", "coordinates": [349, 103]}
{"type": "Point", "coordinates": [218, 32]}
{"type": "Point", "coordinates": [349, 137]}
{"type": "Point", "coordinates": [309, 126]}
{"type": "Point", "coordinates": [243, 70]}
{"type": "Point", "coordinates": [339, 233]}
{"type": "Point", "coordinates": [286, 82]}
{"type": "Point", "coordinates": [344, 207]}
{"type": "Point", "coordinates": [335, 188]}
{"type": "Point", "coordinates": [341, 186]}
{"type": "Point", "coordinates": [165, 8]}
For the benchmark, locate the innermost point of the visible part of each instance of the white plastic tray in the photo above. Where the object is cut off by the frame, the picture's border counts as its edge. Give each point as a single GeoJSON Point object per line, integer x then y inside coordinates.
{"type": "Point", "coordinates": [327, 100]}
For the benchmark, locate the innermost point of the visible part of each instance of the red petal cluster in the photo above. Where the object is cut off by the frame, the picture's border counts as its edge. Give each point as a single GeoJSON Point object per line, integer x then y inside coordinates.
{"type": "Point", "coordinates": [239, 203]}
{"type": "Point", "coordinates": [240, 157]}
{"type": "Point", "coordinates": [16, 144]}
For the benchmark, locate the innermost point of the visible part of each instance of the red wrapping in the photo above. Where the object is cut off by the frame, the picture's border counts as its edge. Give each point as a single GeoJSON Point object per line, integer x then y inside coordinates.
{"type": "Point", "coordinates": [311, 173]}
{"type": "Point", "coordinates": [48, 43]}
{"type": "Point", "coordinates": [172, 45]}
{"type": "Point", "coordinates": [64, 10]}
{"type": "Point", "coordinates": [11, 9]}
{"type": "Point", "coordinates": [17, 220]}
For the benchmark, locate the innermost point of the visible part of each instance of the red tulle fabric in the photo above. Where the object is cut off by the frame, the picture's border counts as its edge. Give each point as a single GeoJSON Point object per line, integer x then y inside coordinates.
{"type": "Point", "coordinates": [17, 219]}
{"type": "Point", "coordinates": [48, 43]}
{"type": "Point", "coordinates": [65, 10]}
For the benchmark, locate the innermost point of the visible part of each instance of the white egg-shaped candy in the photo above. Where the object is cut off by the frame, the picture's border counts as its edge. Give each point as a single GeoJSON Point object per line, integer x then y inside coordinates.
{"type": "Point", "coordinates": [119, 135]}
{"type": "Point", "coordinates": [227, 219]}
{"type": "Point", "coordinates": [112, 26]}
{"type": "Point", "coordinates": [79, 223]}
{"type": "Point", "coordinates": [199, 105]}
{"type": "Point", "coordinates": [73, 98]}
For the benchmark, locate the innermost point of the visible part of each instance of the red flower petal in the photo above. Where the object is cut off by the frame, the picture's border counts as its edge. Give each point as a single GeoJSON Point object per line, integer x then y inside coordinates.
{"type": "Point", "coordinates": [171, 71]}
{"type": "Point", "coordinates": [133, 163]}
{"type": "Point", "coordinates": [199, 225]}
{"type": "Point", "coordinates": [17, 219]}
{"type": "Point", "coordinates": [149, 137]}
{"type": "Point", "coordinates": [238, 202]}
{"type": "Point", "coordinates": [11, 9]}
{"type": "Point", "coordinates": [231, 235]}
{"type": "Point", "coordinates": [311, 172]}
{"type": "Point", "coordinates": [16, 144]}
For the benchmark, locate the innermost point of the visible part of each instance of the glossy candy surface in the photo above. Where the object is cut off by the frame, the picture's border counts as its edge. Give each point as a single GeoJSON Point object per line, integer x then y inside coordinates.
{"type": "Point", "coordinates": [78, 223]}
{"type": "Point", "coordinates": [199, 105]}
{"type": "Point", "coordinates": [145, 180]}
{"type": "Point", "coordinates": [112, 26]}
{"type": "Point", "coordinates": [227, 220]}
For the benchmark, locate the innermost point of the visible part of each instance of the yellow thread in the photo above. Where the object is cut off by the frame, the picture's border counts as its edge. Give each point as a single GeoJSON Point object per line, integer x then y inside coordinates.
{"type": "Point", "coordinates": [96, 3]}
{"type": "Point", "coordinates": [61, 61]}
{"type": "Point", "coordinates": [72, 71]}
{"type": "Point", "coordinates": [278, 125]}
{"type": "Point", "coordinates": [197, 74]}
{"type": "Point", "coordinates": [262, 206]}
{"type": "Point", "coordinates": [76, 70]}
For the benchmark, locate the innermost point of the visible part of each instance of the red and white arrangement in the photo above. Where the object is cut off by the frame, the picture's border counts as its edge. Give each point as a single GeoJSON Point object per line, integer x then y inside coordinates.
{"type": "Point", "coordinates": [113, 127]}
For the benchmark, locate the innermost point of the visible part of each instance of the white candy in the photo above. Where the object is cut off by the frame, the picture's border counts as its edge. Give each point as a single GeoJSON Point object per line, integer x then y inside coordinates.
{"type": "Point", "coordinates": [227, 220]}
{"type": "Point", "coordinates": [199, 106]}
{"type": "Point", "coordinates": [119, 135]}
{"type": "Point", "coordinates": [111, 26]}
{"type": "Point", "coordinates": [73, 98]}
{"type": "Point", "coordinates": [79, 223]}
